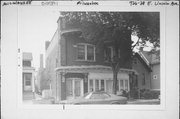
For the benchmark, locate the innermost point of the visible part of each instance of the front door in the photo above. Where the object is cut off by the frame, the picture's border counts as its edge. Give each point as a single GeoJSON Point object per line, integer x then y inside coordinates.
{"type": "Point", "coordinates": [109, 86]}
{"type": "Point", "coordinates": [77, 89]}
{"type": "Point", "coordinates": [74, 88]}
{"type": "Point", "coordinates": [27, 81]}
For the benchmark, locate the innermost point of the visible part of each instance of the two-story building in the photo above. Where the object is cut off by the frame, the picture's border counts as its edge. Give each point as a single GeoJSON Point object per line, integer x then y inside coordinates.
{"type": "Point", "coordinates": [76, 66]}
{"type": "Point", "coordinates": [147, 66]}
{"type": "Point", "coordinates": [27, 74]}
{"type": "Point", "coordinates": [143, 68]}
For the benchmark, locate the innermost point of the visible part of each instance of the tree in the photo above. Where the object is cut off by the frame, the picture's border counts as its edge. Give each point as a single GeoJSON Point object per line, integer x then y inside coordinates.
{"type": "Point", "coordinates": [117, 27]}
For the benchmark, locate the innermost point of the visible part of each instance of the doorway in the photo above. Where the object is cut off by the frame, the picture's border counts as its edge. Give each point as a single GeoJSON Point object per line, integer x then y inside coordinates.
{"type": "Point", "coordinates": [27, 81]}
{"type": "Point", "coordinates": [74, 88]}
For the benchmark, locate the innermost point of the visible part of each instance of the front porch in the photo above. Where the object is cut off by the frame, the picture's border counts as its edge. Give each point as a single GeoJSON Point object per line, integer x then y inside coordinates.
{"type": "Point", "coordinates": [75, 81]}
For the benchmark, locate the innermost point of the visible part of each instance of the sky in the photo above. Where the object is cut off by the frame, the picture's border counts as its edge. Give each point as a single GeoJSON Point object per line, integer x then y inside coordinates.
{"type": "Point", "coordinates": [35, 26]}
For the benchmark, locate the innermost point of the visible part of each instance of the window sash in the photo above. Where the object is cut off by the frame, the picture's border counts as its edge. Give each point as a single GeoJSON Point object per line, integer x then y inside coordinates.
{"type": "Point", "coordinates": [86, 52]}
{"type": "Point", "coordinates": [81, 52]}
{"type": "Point", "coordinates": [90, 52]}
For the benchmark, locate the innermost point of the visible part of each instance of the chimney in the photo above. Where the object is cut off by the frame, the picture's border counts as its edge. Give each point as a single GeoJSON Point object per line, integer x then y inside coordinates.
{"type": "Point", "coordinates": [61, 22]}
{"type": "Point", "coordinates": [47, 44]}
{"type": "Point", "coordinates": [41, 61]}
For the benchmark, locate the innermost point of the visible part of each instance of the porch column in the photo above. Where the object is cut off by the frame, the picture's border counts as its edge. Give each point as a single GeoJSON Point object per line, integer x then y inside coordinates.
{"type": "Point", "coordinates": [61, 86]}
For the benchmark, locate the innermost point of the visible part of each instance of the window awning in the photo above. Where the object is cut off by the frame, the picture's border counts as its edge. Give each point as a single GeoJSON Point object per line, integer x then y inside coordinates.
{"type": "Point", "coordinates": [91, 68]}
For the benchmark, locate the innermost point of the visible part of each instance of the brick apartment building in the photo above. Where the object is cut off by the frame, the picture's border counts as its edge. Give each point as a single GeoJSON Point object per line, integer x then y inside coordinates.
{"type": "Point", "coordinates": [76, 66]}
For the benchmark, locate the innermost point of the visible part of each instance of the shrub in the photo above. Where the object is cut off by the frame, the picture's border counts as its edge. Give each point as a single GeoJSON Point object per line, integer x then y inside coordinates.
{"type": "Point", "coordinates": [149, 94]}
{"type": "Point", "coordinates": [134, 94]}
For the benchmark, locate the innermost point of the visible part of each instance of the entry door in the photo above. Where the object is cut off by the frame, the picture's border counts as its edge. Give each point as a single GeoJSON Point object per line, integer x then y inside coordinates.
{"type": "Point", "coordinates": [77, 89]}
{"type": "Point", "coordinates": [69, 89]}
{"type": "Point", "coordinates": [74, 88]}
{"type": "Point", "coordinates": [109, 86]}
{"type": "Point", "coordinates": [27, 77]}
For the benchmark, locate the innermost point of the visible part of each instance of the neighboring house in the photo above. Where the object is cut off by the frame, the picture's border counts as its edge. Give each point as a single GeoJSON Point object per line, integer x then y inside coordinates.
{"type": "Point", "coordinates": [75, 66]}
{"type": "Point", "coordinates": [147, 66]}
{"type": "Point", "coordinates": [155, 75]}
{"type": "Point", "coordinates": [28, 73]}
{"type": "Point", "coordinates": [143, 68]}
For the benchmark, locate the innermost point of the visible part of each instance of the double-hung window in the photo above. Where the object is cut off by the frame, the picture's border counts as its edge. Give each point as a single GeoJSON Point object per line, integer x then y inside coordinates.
{"type": "Point", "coordinates": [81, 52]}
{"type": "Point", "coordinates": [85, 52]}
{"type": "Point", "coordinates": [109, 53]}
{"type": "Point", "coordinates": [123, 84]}
{"type": "Point", "coordinates": [90, 52]}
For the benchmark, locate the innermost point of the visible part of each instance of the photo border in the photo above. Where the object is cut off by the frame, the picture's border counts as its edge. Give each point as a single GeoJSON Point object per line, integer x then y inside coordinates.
{"type": "Point", "coordinates": [112, 8]}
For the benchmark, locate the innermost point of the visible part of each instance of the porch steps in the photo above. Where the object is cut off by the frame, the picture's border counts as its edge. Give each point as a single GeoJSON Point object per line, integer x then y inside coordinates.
{"type": "Point", "coordinates": [28, 95]}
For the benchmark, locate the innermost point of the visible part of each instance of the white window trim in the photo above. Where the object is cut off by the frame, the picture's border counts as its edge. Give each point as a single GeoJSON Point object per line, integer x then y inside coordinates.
{"type": "Point", "coordinates": [94, 80]}
{"type": "Point", "coordinates": [94, 48]}
{"type": "Point", "coordinates": [123, 84]}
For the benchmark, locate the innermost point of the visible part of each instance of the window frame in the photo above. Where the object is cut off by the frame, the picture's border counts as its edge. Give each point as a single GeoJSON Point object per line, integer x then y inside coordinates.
{"type": "Point", "coordinates": [123, 87]}
{"type": "Point", "coordinates": [26, 63]}
{"type": "Point", "coordinates": [112, 53]}
{"type": "Point", "coordinates": [99, 86]}
{"type": "Point", "coordinates": [86, 52]}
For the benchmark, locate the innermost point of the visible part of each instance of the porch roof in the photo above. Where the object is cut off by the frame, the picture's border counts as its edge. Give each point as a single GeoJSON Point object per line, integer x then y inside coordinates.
{"type": "Point", "coordinates": [91, 68]}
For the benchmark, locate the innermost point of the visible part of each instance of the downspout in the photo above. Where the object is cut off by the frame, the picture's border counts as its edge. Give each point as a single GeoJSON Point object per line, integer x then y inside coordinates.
{"type": "Point", "coordinates": [66, 50]}
{"type": "Point", "coordinates": [150, 76]}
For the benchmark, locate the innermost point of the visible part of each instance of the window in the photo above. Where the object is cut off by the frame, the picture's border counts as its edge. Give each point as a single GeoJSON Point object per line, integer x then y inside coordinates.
{"type": "Point", "coordinates": [96, 85]}
{"type": "Point", "coordinates": [81, 52]}
{"type": "Point", "coordinates": [28, 77]}
{"type": "Point", "coordinates": [126, 85]}
{"type": "Point", "coordinates": [28, 82]}
{"type": "Point", "coordinates": [26, 63]}
{"type": "Point", "coordinates": [143, 79]}
{"type": "Point", "coordinates": [86, 52]}
{"type": "Point", "coordinates": [123, 84]}
{"type": "Point", "coordinates": [109, 53]}
{"type": "Point", "coordinates": [90, 52]}
{"type": "Point", "coordinates": [102, 85]}
{"type": "Point", "coordinates": [90, 85]}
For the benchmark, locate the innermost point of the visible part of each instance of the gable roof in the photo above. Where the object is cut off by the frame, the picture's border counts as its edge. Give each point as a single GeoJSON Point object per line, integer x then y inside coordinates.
{"type": "Point", "coordinates": [151, 57]}
{"type": "Point", "coordinates": [143, 60]}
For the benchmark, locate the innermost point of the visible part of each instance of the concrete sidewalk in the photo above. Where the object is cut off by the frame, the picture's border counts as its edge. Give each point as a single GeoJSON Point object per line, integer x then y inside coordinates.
{"type": "Point", "coordinates": [144, 101]}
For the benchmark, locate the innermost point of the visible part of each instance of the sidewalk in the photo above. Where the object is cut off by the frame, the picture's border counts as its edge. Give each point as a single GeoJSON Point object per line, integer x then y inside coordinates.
{"type": "Point", "coordinates": [144, 102]}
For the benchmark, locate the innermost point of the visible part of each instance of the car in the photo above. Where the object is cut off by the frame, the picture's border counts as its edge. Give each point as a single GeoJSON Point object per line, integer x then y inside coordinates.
{"type": "Point", "coordinates": [97, 98]}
